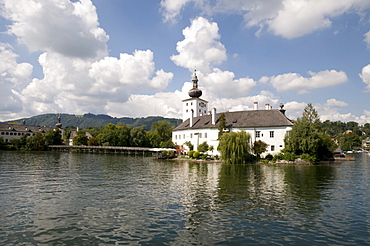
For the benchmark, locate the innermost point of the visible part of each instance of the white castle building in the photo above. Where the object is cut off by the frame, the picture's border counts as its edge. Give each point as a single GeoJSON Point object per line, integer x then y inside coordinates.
{"type": "Point", "coordinates": [200, 125]}
{"type": "Point", "coordinates": [14, 131]}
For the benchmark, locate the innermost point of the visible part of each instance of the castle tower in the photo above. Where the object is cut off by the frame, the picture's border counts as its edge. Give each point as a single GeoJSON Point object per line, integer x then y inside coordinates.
{"type": "Point", "coordinates": [59, 124]}
{"type": "Point", "coordinates": [195, 103]}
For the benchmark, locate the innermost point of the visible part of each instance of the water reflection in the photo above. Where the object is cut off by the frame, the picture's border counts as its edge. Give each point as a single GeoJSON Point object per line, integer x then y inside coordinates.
{"type": "Point", "coordinates": [90, 199]}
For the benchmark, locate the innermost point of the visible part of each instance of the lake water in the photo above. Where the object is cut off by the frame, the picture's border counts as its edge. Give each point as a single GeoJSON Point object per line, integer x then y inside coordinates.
{"type": "Point", "coordinates": [59, 198]}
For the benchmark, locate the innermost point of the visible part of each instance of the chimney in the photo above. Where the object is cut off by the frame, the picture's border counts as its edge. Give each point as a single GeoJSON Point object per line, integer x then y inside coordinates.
{"type": "Point", "coordinates": [282, 110]}
{"type": "Point", "coordinates": [267, 106]}
{"type": "Point", "coordinates": [255, 106]}
{"type": "Point", "coordinates": [191, 118]}
{"type": "Point", "coordinates": [214, 116]}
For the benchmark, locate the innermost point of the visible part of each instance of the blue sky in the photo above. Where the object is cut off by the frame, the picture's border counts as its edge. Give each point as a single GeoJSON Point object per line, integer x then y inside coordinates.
{"type": "Point", "coordinates": [136, 58]}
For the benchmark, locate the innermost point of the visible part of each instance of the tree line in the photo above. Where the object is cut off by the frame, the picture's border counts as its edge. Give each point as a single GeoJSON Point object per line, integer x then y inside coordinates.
{"type": "Point", "coordinates": [91, 120]}
{"type": "Point", "coordinates": [120, 134]}
{"type": "Point", "coordinates": [349, 136]}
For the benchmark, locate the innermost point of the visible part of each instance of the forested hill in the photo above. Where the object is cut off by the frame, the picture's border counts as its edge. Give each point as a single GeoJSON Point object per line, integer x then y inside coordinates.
{"type": "Point", "coordinates": [91, 120]}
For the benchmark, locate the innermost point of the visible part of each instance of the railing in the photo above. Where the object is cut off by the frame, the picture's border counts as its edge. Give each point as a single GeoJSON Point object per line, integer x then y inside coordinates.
{"type": "Point", "coordinates": [101, 147]}
{"type": "Point", "coordinates": [107, 149]}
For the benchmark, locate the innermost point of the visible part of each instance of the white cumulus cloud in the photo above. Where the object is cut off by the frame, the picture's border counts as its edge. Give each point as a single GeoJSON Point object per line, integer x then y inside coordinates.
{"type": "Point", "coordinates": [130, 72]}
{"type": "Point", "coordinates": [172, 8]}
{"type": "Point", "coordinates": [13, 77]}
{"type": "Point", "coordinates": [275, 15]}
{"type": "Point", "coordinates": [335, 103]}
{"type": "Point", "coordinates": [201, 47]}
{"type": "Point", "coordinates": [71, 29]}
{"type": "Point", "coordinates": [223, 84]}
{"type": "Point", "coordinates": [78, 76]}
{"type": "Point", "coordinates": [295, 81]}
{"type": "Point", "coordinates": [166, 104]}
{"type": "Point", "coordinates": [365, 76]}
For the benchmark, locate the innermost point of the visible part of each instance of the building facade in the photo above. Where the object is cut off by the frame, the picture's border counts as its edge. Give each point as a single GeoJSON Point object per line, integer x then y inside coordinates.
{"type": "Point", "coordinates": [268, 125]}
{"type": "Point", "coordinates": [10, 131]}
{"type": "Point", "coordinates": [13, 131]}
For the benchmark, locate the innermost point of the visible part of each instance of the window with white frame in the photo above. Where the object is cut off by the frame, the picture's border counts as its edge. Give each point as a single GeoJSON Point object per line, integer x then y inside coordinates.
{"type": "Point", "coordinates": [258, 134]}
{"type": "Point", "coordinates": [272, 135]}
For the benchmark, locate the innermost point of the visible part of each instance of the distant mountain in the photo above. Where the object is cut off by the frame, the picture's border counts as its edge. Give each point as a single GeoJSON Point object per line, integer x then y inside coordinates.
{"type": "Point", "coordinates": [91, 120]}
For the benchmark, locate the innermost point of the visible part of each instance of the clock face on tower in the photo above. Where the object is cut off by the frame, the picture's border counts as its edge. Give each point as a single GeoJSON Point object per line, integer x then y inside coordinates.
{"type": "Point", "coordinates": [202, 104]}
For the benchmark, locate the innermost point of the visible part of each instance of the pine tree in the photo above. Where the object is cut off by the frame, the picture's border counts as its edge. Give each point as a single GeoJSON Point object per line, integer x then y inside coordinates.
{"type": "Point", "coordinates": [307, 137]}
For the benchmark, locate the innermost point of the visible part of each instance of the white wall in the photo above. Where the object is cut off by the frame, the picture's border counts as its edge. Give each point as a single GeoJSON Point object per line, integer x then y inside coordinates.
{"type": "Point", "coordinates": [198, 105]}
{"type": "Point", "coordinates": [198, 136]}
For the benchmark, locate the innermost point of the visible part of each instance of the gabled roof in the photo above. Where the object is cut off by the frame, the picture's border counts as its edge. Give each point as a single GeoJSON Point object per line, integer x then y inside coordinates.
{"type": "Point", "coordinates": [24, 128]}
{"type": "Point", "coordinates": [73, 134]}
{"type": "Point", "coordinates": [240, 119]}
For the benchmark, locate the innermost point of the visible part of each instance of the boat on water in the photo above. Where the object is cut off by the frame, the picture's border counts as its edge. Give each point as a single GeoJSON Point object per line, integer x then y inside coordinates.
{"type": "Point", "coordinates": [339, 155]}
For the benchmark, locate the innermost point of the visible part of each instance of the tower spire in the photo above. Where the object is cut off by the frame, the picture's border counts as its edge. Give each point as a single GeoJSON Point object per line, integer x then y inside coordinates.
{"type": "Point", "coordinates": [195, 91]}
{"type": "Point", "coordinates": [59, 124]}
{"type": "Point", "coordinates": [195, 79]}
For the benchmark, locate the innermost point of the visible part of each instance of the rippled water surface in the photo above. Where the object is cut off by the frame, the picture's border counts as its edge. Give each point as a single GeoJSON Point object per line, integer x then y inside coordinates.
{"type": "Point", "coordinates": [53, 198]}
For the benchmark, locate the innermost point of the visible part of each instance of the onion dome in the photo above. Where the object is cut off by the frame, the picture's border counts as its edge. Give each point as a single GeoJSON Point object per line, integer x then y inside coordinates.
{"type": "Point", "coordinates": [195, 91]}
{"type": "Point", "coordinates": [58, 125]}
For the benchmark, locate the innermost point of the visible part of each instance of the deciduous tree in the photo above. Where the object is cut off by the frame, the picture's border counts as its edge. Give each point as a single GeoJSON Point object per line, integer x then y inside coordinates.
{"type": "Point", "coordinates": [164, 129]}
{"type": "Point", "coordinates": [36, 142]}
{"type": "Point", "coordinates": [138, 136]}
{"type": "Point", "coordinates": [189, 144]}
{"type": "Point", "coordinates": [203, 147]}
{"type": "Point", "coordinates": [53, 137]}
{"type": "Point", "coordinates": [259, 147]}
{"type": "Point", "coordinates": [81, 138]}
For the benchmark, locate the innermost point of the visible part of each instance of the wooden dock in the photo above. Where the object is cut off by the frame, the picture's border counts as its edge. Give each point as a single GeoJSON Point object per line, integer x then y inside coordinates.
{"type": "Point", "coordinates": [104, 149]}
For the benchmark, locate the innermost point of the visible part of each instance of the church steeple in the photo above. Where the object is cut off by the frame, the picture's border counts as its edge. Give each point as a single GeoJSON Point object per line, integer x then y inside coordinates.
{"type": "Point", "coordinates": [59, 124]}
{"type": "Point", "coordinates": [195, 79]}
{"type": "Point", "coordinates": [195, 91]}
{"type": "Point", "coordinates": [194, 106]}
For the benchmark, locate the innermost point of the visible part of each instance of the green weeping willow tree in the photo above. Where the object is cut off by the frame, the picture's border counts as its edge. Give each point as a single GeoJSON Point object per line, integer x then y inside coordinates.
{"type": "Point", "coordinates": [235, 147]}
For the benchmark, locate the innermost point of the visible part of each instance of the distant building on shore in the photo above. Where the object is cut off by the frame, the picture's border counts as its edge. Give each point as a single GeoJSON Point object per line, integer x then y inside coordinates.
{"type": "Point", "coordinates": [200, 125]}
{"type": "Point", "coordinates": [14, 131]}
{"type": "Point", "coordinates": [73, 134]}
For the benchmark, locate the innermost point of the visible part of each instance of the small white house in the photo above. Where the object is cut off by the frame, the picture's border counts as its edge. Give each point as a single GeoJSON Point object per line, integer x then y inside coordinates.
{"type": "Point", "coordinates": [73, 134]}
{"type": "Point", "coordinates": [268, 125]}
